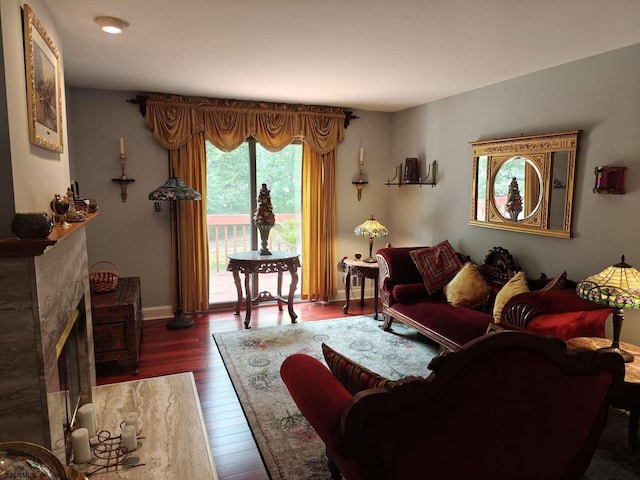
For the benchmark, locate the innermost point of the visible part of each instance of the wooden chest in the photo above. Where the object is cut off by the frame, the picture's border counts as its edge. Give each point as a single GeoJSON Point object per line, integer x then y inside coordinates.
{"type": "Point", "coordinates": [117, 324]}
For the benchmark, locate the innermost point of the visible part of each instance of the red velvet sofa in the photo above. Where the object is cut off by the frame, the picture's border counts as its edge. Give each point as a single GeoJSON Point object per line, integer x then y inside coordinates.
{"type": "Point", "coordinates": [560, 313]}
{"type": "Point", "coordinates": [503, 406]}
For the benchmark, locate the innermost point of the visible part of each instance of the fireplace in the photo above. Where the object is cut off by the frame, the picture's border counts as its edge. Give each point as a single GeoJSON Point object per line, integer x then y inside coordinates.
{"type": "Point", "coordinates": [46, 350]}
{"type": "Point", "coordinates": [69, 348]}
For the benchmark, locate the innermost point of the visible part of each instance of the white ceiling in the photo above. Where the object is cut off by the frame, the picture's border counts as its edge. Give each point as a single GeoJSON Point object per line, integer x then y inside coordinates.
{"type": "Point", "coordinates": [380, 55]}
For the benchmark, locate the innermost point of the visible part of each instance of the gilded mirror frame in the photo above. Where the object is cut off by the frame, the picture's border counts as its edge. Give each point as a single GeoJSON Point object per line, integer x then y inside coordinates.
{"type": "Point", "coordinates": [552, 160]}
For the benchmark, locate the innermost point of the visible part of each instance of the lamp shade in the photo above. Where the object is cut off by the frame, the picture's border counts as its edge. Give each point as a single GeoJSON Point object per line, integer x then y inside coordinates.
{"type": "Point", "coordinates": [617, 286]}
{"type": "Point", "coordinates": [174, 189]}
{"type": "Point", "coordinates": [371, 228]}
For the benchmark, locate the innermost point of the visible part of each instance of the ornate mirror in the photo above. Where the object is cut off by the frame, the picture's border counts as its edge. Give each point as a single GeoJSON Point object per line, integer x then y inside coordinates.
{"type": "Point", "coordinates": [524, 184]}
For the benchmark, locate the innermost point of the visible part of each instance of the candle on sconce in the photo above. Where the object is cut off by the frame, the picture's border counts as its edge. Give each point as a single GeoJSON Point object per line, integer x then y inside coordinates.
{"type": "Point", "coordinates": [361, 155]}
{"type": "Point", "coordinates": [131, 418]}
{"type": "Point", "coordinates": [81, 447]}
{"type": "Point", "coordinates": [121, 145]}
{"type": "Point", "coordinates": [87, 418]}
{"type": "Point", "coordinates": [129, 440]}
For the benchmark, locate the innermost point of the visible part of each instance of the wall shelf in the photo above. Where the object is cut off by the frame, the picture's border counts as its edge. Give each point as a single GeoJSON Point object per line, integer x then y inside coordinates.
{"type": "Point", "coordinates": [433, 184]}
{"type": "Point", "coordinates": [429, 180]}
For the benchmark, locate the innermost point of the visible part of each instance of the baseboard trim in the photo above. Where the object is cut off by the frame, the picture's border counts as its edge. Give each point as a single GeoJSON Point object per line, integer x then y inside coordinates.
{"type": "Point", "coordinates": [154, 313]}
{"type": "Point", "coordinates": [166, 311]}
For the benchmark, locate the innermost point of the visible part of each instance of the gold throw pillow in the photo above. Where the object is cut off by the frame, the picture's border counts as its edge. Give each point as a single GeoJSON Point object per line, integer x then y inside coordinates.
{"type": "Point", "coordinates": [468, 288]}
{"type": "Point", "coordinates": [517, 284]}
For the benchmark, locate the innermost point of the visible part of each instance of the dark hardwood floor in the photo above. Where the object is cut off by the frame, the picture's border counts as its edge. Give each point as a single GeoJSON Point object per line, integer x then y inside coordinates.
{"type": "Point", "coordinates": [164, 352]}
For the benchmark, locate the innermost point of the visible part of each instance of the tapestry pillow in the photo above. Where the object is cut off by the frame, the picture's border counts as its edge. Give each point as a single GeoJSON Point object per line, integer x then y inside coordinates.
{"type": "Point", "coordinates": [517, 284]}
{"type": "Point", "coordinates": [352, 375]}
{"type": "Point", "coordinates": [437, 265]}
{"type": "Point", "coordinates": [556, 283]}
{"type": "Point", "coordinates": [468, 288]}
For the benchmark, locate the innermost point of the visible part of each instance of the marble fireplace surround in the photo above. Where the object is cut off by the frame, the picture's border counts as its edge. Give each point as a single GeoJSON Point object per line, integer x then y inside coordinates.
{"type": "Point", "coordinates": [43, 282]}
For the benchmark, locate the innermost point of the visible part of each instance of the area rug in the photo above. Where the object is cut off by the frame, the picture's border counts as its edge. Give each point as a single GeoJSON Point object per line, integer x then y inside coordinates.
{"type": "Point", "coordinates": [290, 448]}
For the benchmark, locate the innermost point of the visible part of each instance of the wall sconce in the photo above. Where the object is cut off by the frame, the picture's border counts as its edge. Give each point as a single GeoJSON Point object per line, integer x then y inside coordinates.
{"type": "Point", "coordinates": [609, 180]}
{"type": "Point", "coordinates": [123, 180]}
{"type": "Point", "coordinates": [361, 182]}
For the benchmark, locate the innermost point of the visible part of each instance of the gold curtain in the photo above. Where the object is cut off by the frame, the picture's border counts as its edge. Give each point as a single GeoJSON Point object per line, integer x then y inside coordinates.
{"type": "Point", "coordinates": [188, 163]}
{"type": "Point", "coordinates": [319, 224]}
{"type": "Point", "coordinates": [182, 124]}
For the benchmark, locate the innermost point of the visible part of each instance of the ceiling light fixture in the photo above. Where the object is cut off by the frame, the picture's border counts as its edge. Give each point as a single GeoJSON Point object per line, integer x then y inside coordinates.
{"type": "Point", "coordinates": [111, 25]}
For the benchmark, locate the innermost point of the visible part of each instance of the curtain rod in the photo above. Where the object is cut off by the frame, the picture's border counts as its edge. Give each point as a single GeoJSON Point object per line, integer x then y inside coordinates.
{"type": "Point", "coordinates": [141, 101]}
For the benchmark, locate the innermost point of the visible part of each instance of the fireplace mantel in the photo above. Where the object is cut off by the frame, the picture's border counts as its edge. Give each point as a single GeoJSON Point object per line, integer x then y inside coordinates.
{"type": "Point", "coordinates": [43, 283]}
{"type": "Point", "coordinates": [34, 247]}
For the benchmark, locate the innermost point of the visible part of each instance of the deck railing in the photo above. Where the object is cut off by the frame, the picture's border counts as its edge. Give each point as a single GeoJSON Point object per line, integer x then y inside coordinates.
{"type": "Point", "coordinates": [230, 233]}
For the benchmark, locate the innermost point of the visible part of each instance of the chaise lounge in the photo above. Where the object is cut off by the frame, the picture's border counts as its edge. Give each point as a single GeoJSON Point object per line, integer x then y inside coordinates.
{"type": "Point", "coordinates": [545, 306]}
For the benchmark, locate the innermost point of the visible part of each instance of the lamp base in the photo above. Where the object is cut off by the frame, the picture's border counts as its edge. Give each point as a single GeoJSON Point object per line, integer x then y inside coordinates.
{"type": "Point", "coordinates": [179, 321]}
{"type": "Point", "coordinates": [626, 356]}
{"type": "Point", "coordinates": [369, 260]}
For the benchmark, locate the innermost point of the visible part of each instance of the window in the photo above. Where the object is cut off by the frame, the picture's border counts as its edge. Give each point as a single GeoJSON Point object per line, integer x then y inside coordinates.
{"type": "Point", "coordinates": [233, 182]}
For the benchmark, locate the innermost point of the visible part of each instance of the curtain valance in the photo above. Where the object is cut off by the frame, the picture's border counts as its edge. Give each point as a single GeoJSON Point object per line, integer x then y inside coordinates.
{"type": "Point", "coordinates": [227, 123]}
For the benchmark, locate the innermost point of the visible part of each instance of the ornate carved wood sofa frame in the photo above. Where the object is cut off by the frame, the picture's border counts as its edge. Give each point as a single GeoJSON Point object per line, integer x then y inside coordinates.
{"type": "Point", "coordinates": [559, 313]}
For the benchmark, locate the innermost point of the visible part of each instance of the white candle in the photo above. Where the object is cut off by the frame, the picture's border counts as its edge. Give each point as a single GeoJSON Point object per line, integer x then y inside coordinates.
{"type": "Point", "coordinates": [87, 418]}
{"type": "Point", "coordinates": [129, 440]}
{"type": "Point", "coordinates": [132, 419]}
{"type": "Point", "coordinates": [361, 155]}
{"type": "Point", "coordinates": [81, 448]}
{"type": "Point", "coordinates": [121, 145]}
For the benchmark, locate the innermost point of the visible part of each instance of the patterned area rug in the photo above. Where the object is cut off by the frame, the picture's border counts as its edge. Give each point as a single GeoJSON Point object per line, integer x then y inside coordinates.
{"type": "Point", "coordinates": [290, 448]}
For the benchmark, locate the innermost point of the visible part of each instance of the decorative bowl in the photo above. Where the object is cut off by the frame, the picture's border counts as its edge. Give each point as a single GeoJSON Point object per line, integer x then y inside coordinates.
{"type": "Point", "coordinates": [28, 460]}
{"type": "Point", "coordinates": [31, 225]}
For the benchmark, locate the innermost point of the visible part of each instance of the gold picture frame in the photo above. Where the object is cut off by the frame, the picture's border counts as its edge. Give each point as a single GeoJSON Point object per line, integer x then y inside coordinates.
{"type": "Point", "coordinates": [44, 84]}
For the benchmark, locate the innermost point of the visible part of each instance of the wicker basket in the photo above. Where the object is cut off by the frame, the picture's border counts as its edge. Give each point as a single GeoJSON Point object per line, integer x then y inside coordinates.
{"type": "Point", "coordinates": [103, 281]}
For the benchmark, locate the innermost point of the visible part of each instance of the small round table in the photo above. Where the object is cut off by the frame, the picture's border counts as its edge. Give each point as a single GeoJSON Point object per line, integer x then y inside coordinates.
{"type": "Point", "coordinates": [363, 270]}
{"type": "Point", "coordinates": [630, 398]}
{"type": "Point", "coordinates": [252, 262]}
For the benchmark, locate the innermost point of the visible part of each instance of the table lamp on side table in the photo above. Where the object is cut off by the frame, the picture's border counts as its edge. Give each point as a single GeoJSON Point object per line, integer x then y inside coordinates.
{"type": "Point", "coordinates": [175, 190]}
{"type": "Point", "coordinates": [373, 229]}
{"type": "Point", "coordinates": [618, 287]}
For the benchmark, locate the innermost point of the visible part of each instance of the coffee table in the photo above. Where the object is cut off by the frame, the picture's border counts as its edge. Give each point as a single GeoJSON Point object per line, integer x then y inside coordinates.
{"type": "Point", "coordinates": [630, 398]}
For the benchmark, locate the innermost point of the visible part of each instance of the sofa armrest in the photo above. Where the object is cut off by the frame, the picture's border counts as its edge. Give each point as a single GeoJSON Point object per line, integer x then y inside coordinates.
{"type": "Point", "coordinates": [396, 268]}
{"type": "Point", "coordinates": [522, 308]}
{"type": "Point", "coordinates": [319, 395]}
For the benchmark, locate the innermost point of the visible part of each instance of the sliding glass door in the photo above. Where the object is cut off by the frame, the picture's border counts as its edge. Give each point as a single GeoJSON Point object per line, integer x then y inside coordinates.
{"type": "Point", "coordinates": [233, 181]}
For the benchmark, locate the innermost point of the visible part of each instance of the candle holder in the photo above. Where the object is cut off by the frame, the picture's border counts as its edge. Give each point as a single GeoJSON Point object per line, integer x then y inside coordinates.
{"type": "Point", "coordinates": [361, 181]}
{"type": "Point", "coordinates": [122, 179]}
{"type": "Point", "coordinates": [109, 454]}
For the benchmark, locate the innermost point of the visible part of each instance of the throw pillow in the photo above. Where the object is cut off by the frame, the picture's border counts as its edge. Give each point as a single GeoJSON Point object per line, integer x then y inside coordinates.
{"type": "Point", "coordinates": [352, 375]}
{"type": "Point", "coordinates": [517, 284]}
{"type": "Point", "coordinates": [556, 283]}
{"type": "Point", "coordinates": [468, 288]}
{"type": "Point", "coordinates": [437, 265]}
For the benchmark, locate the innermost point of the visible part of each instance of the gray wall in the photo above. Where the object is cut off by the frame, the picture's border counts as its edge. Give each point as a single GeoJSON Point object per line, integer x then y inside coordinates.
{"type": "Point", "coordinates": [600, 96]}
{"type": "Point", "coordinates": [137, 239]}
{"type": "Point", "coordinates": [129, 234]}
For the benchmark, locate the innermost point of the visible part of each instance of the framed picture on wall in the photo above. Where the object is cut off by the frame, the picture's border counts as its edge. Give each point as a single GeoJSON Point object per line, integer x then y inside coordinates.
{"type": "Point", "coordinates": [44, 83]}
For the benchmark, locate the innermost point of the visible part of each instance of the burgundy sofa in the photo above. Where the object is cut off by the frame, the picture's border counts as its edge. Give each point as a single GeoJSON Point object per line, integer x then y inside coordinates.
{"type": "Point", "coordinates": [503, 406]}
{"type": "Point", "coordinates": [560, 313]}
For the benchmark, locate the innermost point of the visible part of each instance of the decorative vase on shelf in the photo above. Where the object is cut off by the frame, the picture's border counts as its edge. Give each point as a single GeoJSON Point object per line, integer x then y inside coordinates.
{"type": "Point", "coordinates": [31, 225]}
{"type": "Point", "coordinates": [264, 218]}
